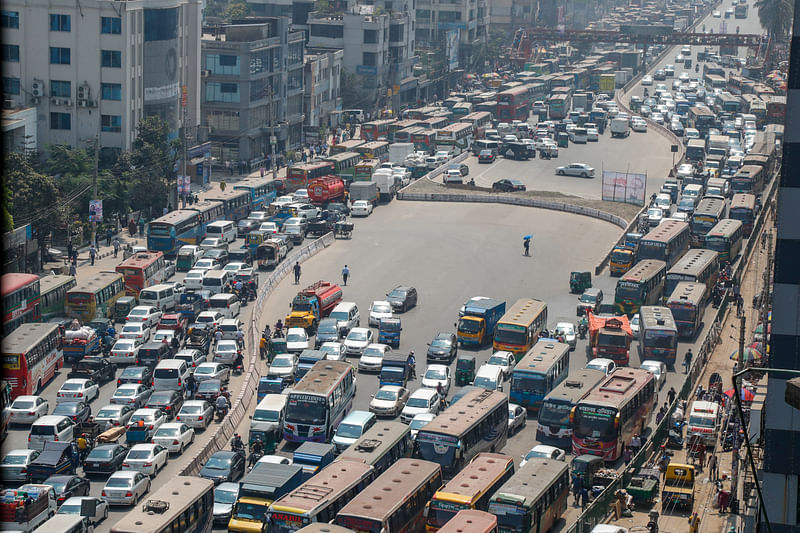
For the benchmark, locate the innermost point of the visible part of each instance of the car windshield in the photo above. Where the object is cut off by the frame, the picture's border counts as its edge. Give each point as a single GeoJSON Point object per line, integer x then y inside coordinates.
{"type": "Point", "coordinates": [70, 509]}
{"type": "Point", "coordinates": [417, 402]}
{"type": "Point", "coordinates": [15, 459]}
{"type": "Point", "coordinates": [100, 453]}
{"type": "Point", "coordinates": [381, 308]}
{"type": "Point", "coordinates": [588, 298]}
{"type": "Point", "coordinates": [205, 370]}
{"type": "Point", "coordinates": [118, 482]}
{"type": "Point", "coordinates": [282, 362]}
{"type": "Point", "coordinates": [125, 392]}
{"type": "Point", "coordinates": [66, 408]}
{"type": "Point", "coordinates": [357, 336]}
{"type": "Point", "coordinates": [397, 294]}
{"type": "Point", "coordinates": [58, 486]}
{"type": "Point", "coordinates": [226, 497]}
{"type": "Point", "coordinates": [143, 418]}
{"type": "Point", "coordinates": [441, 343]}
{"type": "Point", "coordinates": [328, 328]}
{"type": "Point", "coordinates": [296, 337]}
{"type": "Point", "coordinates": [350, 431]}
{"type": "Point", "coordinates": [435, 374]}
{"type": "Point", "coordinates": [191, 410]}
{"type": "Point", "coordinates": [139, 454]}
{"type": "Point", "coordinates": [71, 386]}
{"type": "Point", "coordinates": [124, 345]}
{"type": "Point", "coordinates": [139, 312]}
{"type": "Point", "coordinates": [330, 350]}
{"type": "Point", "coordinates": [218, 463]}
{"type": "Point", "coordinates": [565, 330]}
{"type": "Point", "coordinates": [538, 453]}
{"type": "Point", "coordinates": [373, 352]}
{"type": "Point", "coordinates": [161, 397]}
{"type": "Point", "coordinates": [497, 360]}
{"type": "Point", "coordinates": [417, 423]}
{"type": "Point", "coordinates": [22, 404]}
{"type": "Point", "coordinates": [390, 395]}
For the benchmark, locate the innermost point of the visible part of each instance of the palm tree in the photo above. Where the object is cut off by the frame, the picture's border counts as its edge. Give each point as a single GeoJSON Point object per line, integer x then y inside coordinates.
{"type": "Point", "coordinates": [776, 17]}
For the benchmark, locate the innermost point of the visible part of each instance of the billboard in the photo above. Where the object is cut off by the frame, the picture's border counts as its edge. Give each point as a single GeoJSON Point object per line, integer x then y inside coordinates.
{"type": "Point", "coordinates": [625, 187]}
{"type": "Point", "coordinates": [453, 38]}
{"type": "Point", "coordinates": [95, 210]}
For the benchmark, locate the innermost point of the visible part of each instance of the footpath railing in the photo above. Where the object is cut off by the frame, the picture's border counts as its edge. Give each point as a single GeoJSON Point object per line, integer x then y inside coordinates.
{"type": "Point", "coordinates": [224, 432]}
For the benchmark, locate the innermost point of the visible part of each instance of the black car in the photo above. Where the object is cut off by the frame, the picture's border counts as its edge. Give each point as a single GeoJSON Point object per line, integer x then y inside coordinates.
{"type": "Point", "coordinates": [76, 411]}
{"type": "Point", "coordinates": [208, 390]}
{"type": "Point", "coordinates": [338, 208]}
{"type": "Point", "coordinates": [518, 151]}
{"type": "Point", "coordinates": [218, 254]}
{"type": "Point", "coordinates": [506, 185]}
{"type": "Point", "coordinates": [97, 369]}
{"type": "Point", "coordinates": [245, 226]}
{"type": "Point", "coordinates": [169, 401]}
{"type": "Point", "coordinates": [241, 255]}
{"type": "Point", "coordinates": [486, 156]}
{"type": "Point", "coordinates": [105, 458]}
{"type": "Point", "coordinates": [223, 466]}
{"type": "Point", "coordinates": [136, 374]}
{"type": "Point", "coordinates": [443, 347]}
{"type": "Point", "coordinates": [401, 298]}
{"type": "Point", "coordinates": [68, 486]}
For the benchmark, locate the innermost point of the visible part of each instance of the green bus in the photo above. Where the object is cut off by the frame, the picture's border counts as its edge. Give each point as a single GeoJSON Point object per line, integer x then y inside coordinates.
{"type": "Point", "coordinates": [53, 291]}
{"type": "Point", "coordinates": [345, 164]}
{"type": "Point", "coordinates": [641, 285]}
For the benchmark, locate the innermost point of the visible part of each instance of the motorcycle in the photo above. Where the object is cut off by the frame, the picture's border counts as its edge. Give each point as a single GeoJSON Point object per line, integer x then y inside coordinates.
{"type": "Point", "coordinates": [254, 457]}
{"type": "Point", "coordinates": [582, 329]}
{"type": "Point", "coordinates": [220, 412]}
{"type": "Point", "coordinates": [674, 440]}
{"type": "Point", "coordinates": [238, 369]}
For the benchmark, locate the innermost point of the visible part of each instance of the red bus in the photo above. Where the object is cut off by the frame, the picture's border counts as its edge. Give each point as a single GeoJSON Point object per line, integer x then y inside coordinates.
{"type": "Point", "coordinates": [31, 355]}
{"type": "Point", "coordinates": [21, 300]}
{"type": "Point", "coordinates": [480, 120]}
{"type": "Point", "coordinates": [513, 104]}
{"type": "Point", "coordinates": [377, 129]}
{"type": "Point", "coordinates": [776, 109]}
{"type": "Point", "coordinates": [606, 419]}
{"type": "Point", "coordinates": [424, 139]}
{"type": "Point", "coordinates": [298, 176]}
{"type": "Point", "coordinates": [141, 270]}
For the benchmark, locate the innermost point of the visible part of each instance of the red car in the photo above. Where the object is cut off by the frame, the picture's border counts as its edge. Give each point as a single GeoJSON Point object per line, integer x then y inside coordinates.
{"type": "Point", "coordinates": [174, 321]}
{"type": "Point", "coordinates": [486, 156]}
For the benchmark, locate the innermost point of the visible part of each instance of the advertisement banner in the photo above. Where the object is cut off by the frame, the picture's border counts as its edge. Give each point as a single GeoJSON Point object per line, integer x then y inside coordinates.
{"type": "Point", "coordinates": [184, 185]}
{"type": "Point", "coordinates": [625, 187]}
{"type": "Point", "coordinates": [453, 38]}
{"type": "Point", "coordinates": [95, 210]}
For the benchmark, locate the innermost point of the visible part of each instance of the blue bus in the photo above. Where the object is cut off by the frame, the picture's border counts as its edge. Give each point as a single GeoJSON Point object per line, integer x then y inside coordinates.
{"type": "Point", "coordinates": [539, 372]}
{"type": "Point", "coordinates": [235, 204]}
{"type": "Point", "coordinates": [207, 212]}
{"type": "Point", "coordinates": [262, 191]}
{"type": "Point", "coordinates": [168, 233]}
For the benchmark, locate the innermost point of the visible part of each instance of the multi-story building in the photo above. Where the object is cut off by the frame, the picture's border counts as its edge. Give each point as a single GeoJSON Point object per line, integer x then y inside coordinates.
{"type": "Point", "coordinates": [102, 66]}
{"type": "Point", "coordinates": [512, 14]}
{"type": "Point", "coordinates": [252, 89]}
{"type": "Point", "coordinates": [460, 26]}
{"type": "Point", "coordinates": [323, 72]}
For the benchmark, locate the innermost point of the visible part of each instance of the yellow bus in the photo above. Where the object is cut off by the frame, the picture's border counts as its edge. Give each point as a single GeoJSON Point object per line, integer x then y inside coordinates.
{"type": "Point", "coordinates": [470, 489]}
{"type": "Point", "coordinates": [380, 446]}
{"type": "Point", "coordinates": [95, 298]}
{"type": "Point", "coordinates": [518, 330]}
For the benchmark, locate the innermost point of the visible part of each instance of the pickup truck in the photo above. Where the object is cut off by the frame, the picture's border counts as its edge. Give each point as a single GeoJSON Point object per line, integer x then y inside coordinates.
{"type": "Point", "coordinates": [190, 305]}
{"type": "Point", "coordinates": [56, 458]}
{"type": "Point", "coordinates": [174, 321]}
{"type": "Point", "coordinates": [17, 515]}
{"type": "Point", "coordinates": [97, 369]}
{"type": "Point", "coordinates": [678, 486]}
{"type": "Point", "coordinates": [199, 338]}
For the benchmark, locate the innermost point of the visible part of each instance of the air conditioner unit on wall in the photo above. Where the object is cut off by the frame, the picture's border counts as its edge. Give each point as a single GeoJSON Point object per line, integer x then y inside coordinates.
{"type": "Point", "coordinates": [83, 103]}
{"type": "Point", "coordinates": [83, 92]}
{"type": "Point", "coordinates": [35, 100]}
{"type": "Point", "coordinates": [55, 101]}
{"type": "Point", "coordinates": [66, 101]}
{"type": "Point", "coordinates": [37, 88]}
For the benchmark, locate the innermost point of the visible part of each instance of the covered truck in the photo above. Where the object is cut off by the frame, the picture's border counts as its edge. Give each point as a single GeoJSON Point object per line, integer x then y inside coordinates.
{"type": "Point", "coordinates": [80, 341]}
{"type": "Point", "coordinates": [56, 458]}
{"type": "Point", "coordinates": [364, 190]}
{"type": "Point", "coordinates": [398, 152]}
{"type": "Point", "coordinates": [387, 186]}
{"type": "Point", "coordinates": [313, 303]}
{"type": "Point", "coordinates": [476, 326]}
{"type": "Point", "coordinates": [27, 507]}
{"type": "Point", "coordinates": [609, 337]}
{"type": "Point", "coordinates": [265, 483]}
{"type": "Point", "coordinates": [325, 189]}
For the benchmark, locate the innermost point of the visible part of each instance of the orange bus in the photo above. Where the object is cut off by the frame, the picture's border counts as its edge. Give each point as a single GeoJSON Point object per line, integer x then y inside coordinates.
{"type": "Point", "coordinates": [471, 521]}
{"type": "Point", "coordinates": [141, 270]}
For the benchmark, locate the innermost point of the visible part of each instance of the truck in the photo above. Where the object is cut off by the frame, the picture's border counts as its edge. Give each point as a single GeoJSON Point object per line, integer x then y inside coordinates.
{"type": "Point", "coordinates": [312, 304]}
{"type": "Point", "coordinates": [79, 342]}
{"type": "Point", "coordinates": [398, 152]}
{"type": "Point", "coordinates": [395, 369]}
{"type": "Point", "coordinates": [609, 337]}
{"type": "Point", "coordinates": [97, 369]}
{"type": "Point", "coordinates": [27, 507]}
{"type": "Point", "coordinates": [678, 487]}
{"type": "Point", "coordinates": [387, 187]}
{"type": "Point", "coordinates": [177, 322]}
{"type": "Point", "coordinates": [325, 189]}
{"type": "Point", "coordinates": [599, 117]}
{"type": "Point", "coordinates": [57, 458]}
{"type": "Point", "coordinates": [313, 457]}
{"type": "Point", "coordinates": [364, 190]}
{"type": "Point", "coordinates": [717, 144]}
{"type": "Point", "coordinates": [476, 326]}
{"type": "Point", "coordinates": [620, 127]}
{"type": "Point", "coordinates": [389, 331]}
{"type": "Point", "coordinates": [265, 483]}
{"type": "Point", "coordinates": [607, 84]}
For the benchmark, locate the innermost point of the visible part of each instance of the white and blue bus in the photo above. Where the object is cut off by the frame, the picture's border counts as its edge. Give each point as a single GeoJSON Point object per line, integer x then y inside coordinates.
{"type": "Point", "coordinates": [539, 372]}
{"type": "Point", "coordinates": [262, 191]}
{"type": "Point", "coordinates": [168, 233]}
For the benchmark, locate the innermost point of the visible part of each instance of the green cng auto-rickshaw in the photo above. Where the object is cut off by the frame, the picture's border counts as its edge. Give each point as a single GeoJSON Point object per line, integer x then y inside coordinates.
{"type": "Point", "coordinates": [276, 346]}
{"type": "Point", "coordinates": [580, 281]}
{"type": "Point", "coordinates": [465, 370]}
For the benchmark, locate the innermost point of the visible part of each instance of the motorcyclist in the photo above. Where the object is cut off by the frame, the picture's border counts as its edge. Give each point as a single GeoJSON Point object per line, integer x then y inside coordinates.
{"type": "Point", "coordinates": [221, 404]}
{"type": "Point", "coordinates": [236, 443]}
{"type": "Point", "coordinates": [278, 329]}
{"type": "Point", "coordinates": [240, 339]}
{"type": "Point", "coordinates": [239, 361]}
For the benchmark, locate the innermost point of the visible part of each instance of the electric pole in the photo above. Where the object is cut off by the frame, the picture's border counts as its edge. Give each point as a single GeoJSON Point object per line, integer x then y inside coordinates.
{"type": "Point", "coordinates": [94, 184]}
{"type": "Point", "coordinates": [274, 162]}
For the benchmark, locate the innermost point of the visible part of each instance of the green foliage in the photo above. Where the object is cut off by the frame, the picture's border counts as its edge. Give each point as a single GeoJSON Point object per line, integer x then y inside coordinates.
{"type": "Point", "coordinates": [235, 10]}
{"type": "Point", "coordinates": [34, 196]}
{"type": "Point", "coordinates": [5, 209]}
{"type": "Point", "coordinates": [776, 17]}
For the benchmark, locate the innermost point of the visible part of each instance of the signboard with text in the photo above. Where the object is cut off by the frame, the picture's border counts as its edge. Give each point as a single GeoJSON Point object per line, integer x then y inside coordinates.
{"type": "Point", "coordinates": [624, 187]}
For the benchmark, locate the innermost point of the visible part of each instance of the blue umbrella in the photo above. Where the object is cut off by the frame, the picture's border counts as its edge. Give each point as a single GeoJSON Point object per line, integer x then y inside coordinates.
{"type": "Point", "coordinates": [527, 237]}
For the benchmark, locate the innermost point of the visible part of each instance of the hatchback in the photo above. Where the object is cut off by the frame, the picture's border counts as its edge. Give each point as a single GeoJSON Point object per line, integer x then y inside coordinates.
{"type": "Point", "coordinates": [125, 488]}
{"type": "Point", "coordinates": [110, 416]}
{"type": "Point", "coordinates": [223, 466]}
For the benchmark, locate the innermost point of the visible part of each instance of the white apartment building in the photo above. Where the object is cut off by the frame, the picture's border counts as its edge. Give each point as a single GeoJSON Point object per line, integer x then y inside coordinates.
{"type": "Point", "coordinates": [449, 21]}
{"type": "Point", "coordinates": [323, 69]}
{"type": "Point", "coordinates": [95, 68]}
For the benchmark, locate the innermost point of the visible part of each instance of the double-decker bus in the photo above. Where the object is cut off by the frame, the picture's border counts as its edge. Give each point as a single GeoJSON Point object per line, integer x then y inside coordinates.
{"type": "Point", "coordinates": [471, 521]}
{"type": "Point", "coordinates": [698, 266]}
{"type": "Point", "coordinates": [395, 502]}
{"type": "Point", "coordinates": [319, 401]}
{"type": "Point", "coordinates": [461, 110]}
{"type": "Point", "coordinates": [542, 369]}
{"type": "Point", "coordinates": [374, 150]}
{"type": "Point", "coordinates": [319, 498]}
{"type": "Point", "coordinates": [702, 119]}
{"type": "Point", "coordinates": [513, 104]}
{"type": "Point", "coordinates": [380, 446]}
{"type": "Point", "coordinates": [743, 209]}
{"type": "Point", "coordinates": [434, 123]}
{"type": "Point", "coordinates": [365, 169]}
{"type": "Point", "coordinates": [142, 270]}
{"type": "Point", "coordinates": [558, 106]}
{"type": "Point", "coordinates": [658, 335]}
{"type": "Point", "coordinates": [298, 176]}
{"type": "Point", "coordinates": [469, 489]}
{"type": "Point", "coordinates": [207, 212]}
{"type": "Point", "coordinates": [480, 121]}
{"type": "Point", "coordinates": [399, 125]}
{"type": "Point", "coordinates": [687, 303]}
{"type": "Point", "coordinates": [190, 508]}
{"type": "Point", "coordinates": [554, 427]}
{"type": "Point", "coordinates": [534, 499]}
{"type": "Point", "coordinates": [346, 146]}
{"type": "Point", "coordinates": [168, 233]}
{"type": "Point", "coordinates": [95, 298]}
{"type": "Point", "coordinates": [344, 164]}
{"type": "Point", "coordinates": [641, 285]}
{"type": "Point", "coordinates": [607, 418]}
{"type": "Point", "coordinates": [377, 129]}
{"type": "Point", "coordinates": [424, 139]}
{"type": "Point", "coordinates": [405, 135]}
{"type": "Point", "coordinates": [667, 242]}
{"type": "Point", "coordinates": [235, 203]}
{"type": "Point", "coordinates": [519, 328]}
{"type": "Point", "coordinates": [748, 179]}
{"type": "Point", "coordinates": [459, 136]}
{"type": "Point", "coordinates": [708, 212]}
{"type": "Point", "coordinates": [726, 239]}
{"type": "Point", "coordinates": [21, 300]}
{"type": "Point", "coordinates": [477, 423]}
{"type": "Point", "coordinates": [54, 293]}
{"type": "Point", "coordinates": [31, 355]}
{"type": "Point", "coordinates": [262, 191]}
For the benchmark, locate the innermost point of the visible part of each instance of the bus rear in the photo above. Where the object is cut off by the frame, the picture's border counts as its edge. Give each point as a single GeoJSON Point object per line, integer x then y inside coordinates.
{"type": "Point", "coordinates": [687, 305]}
{"type": "Point", "coordinates": [542, 369]}
{"type": "Point", "coordinates": [658, 335]}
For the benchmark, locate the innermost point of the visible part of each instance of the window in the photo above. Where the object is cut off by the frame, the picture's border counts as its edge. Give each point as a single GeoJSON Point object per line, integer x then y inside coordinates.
{"type": "Point", "coordinates": [11, 53]}
{"type": "Point", "coordinates": [160, 24]}
{"type": "Point", "coordinates": [111, 123]}
{"type": "Point", "coordinates": [295, 80]}
{"type": "Point", "coordinates": [111, 91]}
{"type": "Point", "coordinates": [370, 36]}
{"type": "Point", "coordinates": [449, 16]}
{"type": "Point", "coordinates": [224, 65]}
{"type": "Point", "coordinates": [295, 53]}
{"type": "Point", "coordinates": [328, 31]}
{"type": "Point", "coordinates": [60, 121]}
{"type": "Point", "coordinates": [60, 88]}
{"type": "Point", "coordinates": [10, 85]}
{"type": "Point", "coordinates": [112, 25]}
{"type": "Point", "coordinates": [59, 23]}
{"type": "Point", "coordinates": [59, 56]}
{"type": "Point", "coordinates": [10, 19]}
{"type": "Point", "coordinates": [222, 92]}
{"type": "Point", "coordinates": [111, 58]}
{"type": "Point", "coordinates": [370, 59]}
{"type": "Point", "coordinates": [396, 32]}
{"type": "Point", "coordinates": [223, 120]}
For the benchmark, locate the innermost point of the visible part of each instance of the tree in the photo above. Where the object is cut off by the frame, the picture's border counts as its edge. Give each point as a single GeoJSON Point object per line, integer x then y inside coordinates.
{"type": "Point", "coordinates": [350, 91]}
{"type": "Point", "coordinates": [150, 166]}
{"type": "Point", "coordinates": [235, 10]}
{"type": "Point", "coordinates": [776, 17]}
{"type": "Point", "coordinates": [35, 198]}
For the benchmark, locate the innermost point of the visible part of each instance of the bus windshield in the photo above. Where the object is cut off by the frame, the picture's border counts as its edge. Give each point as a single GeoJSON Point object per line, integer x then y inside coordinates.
{"type": "Point", "coordinates": [442, 512]}
{"type": "Point", "coordinates": [442, 454]}
{"type": "Point", "coordinates": [682, 313]}
{"type": "Point", "coordinates": [554, 414]}
{"type": "Point", "coordinates": [629, 292]}
{"type": "Point", "coordinates": [532, 383]}
{"type": "Point", "coordinates": [306, 410]}
{"type": "Point", "coordinates": [249, 511]}
{"type": "Point", "coordinates": [595, 422]}
{"type": "Point", "coordinates": [507, 336]}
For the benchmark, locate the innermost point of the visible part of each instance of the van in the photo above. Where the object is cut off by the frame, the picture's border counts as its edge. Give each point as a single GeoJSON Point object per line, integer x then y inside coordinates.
{"type": "Point", "coordinates": [226, 303]}
{"type": "Point", "coordinates": [67, 523]}
{"type": "Point", "coordinates": [161, 296]}
{"type": "Point", "coordinates": [215, 280]}
{"type": "Point", "coordinates": [153, 352]}
{"type": "Point", "coordinates": [693, 190]}
{"type": "Point", "coordinates": [269, 413]}
{"type": "Point", "coordinates": [229, 327]}
{"type": "Point", "coordinates": [351, 428]}
{"type": "Point", "coordinates": [50, 428]}
{"type": "Point", "coordinates": [489, 377]}
{"type": "Point", "coordinates": [704, 421]}
{"type": "Point", "coordinates": [170, 374]}
{"type": "Point", "coordinates": [222, 229]}
{"type": "Point", "coordinates": [347, 316]}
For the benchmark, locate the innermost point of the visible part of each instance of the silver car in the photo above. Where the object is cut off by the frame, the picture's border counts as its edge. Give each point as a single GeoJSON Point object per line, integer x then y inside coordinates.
{"type": "Point", "coordinates": [131, 394]}
{"type": "Point", "coordinates": [581, 170]}
{"type": "Point", "coordinates": [196, 414]}
{"type": "Point", "coordinates": [658, 369]}
{"type": "Point", "coordinates": [125, 488]}
{"type": "Point", "coordinates": [114, 415]}
{"type": "Point", "coordinates": [14, 468]}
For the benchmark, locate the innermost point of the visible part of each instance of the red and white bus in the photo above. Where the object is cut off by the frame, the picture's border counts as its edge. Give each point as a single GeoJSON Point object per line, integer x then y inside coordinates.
{"type": "Point", "coordinates": [613, 412]}
{"type": "Point", "coordinates": [298, 176]}
{"type": "Point", "coordinates": [513, 104]}
{"type": "Point", "coordinates": [480, 120]}
{"type": "Point", "coordinates": [377, 129]}
{"type": "Point", "coordinates": [21, 300]}
{"type": "Point", "coordinates": [142, 270]}
{"type": "Point", "coordinates": [31, 355]}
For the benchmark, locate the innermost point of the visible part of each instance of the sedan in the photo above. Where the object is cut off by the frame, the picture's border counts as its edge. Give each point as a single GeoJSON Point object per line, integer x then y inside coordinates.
{"type": "Point", "coordinates": [138, 332]}
{"type": "Point", "coordinates": [77, 389]}
{"type": "Point", "coordinates": [208, 390]}
{"type": "Point", "coordinates": [225, 352]}
{"type": "Point", "coordinates": [146, 458]}
{"type": "Point", "coordinates": [581, 170]}
{"type": "Point", "coordinates": [164, 335]}
{"type": "Point", "coordinates": [334, 351]}
{"type": "Point", "coordinates": [283, 366]}
{"type": "Point", "coordinates": [131, 394]}
{"type": "Point", "coordinates": [685, 170]}
{"type": "Point", "coordinates": [402, 298]}
{"type": "Point", "coordinates": [225, 496]}
{"type": "Point", "coordinates": [607, 366]}
{"type": "Point", "coordinates": [371, 358]}
{"type": "Point", "coordinates": [169, 401]}
{"type": "Point", "coordinates": [504, 360]}
{"type": "Point", "coordinates": [205, 264]}
{"type": "Point", "coordinates": [136, 374]}
{"type": "Point", "coordinates": [209, 243]}
{"type": "Point", "coordinates": [592, 134]}
{"type": "Point", "coordinates": [545, 452]}
{"type": "Point", "coordinates": [654, 216]}
{"type": "Point", "coordinates": [124, 351]}
{"type": "Point", "coordinates": [145, 314]}
{"type": "Point", "coordinates": [206, 371]}
{"type": "Point", "coordinates": [647, 80]}
{"type": "Point", "coordinates": [104, 459]}
{"type": "Point", "coordinates": [78, 412]}
{"type": "Point", "coordinates": [27, 409]}
{"type": "Point", "coordinates": [297, 340]}
{"type": "Point", "coordinates": [508, 185]}
{"type": "Point", "coordinates": [378, 310]}
{"type": "Point", "coordinates": [517, 416]}
{"type": "Point", "coordinates": [443, 347]}
{"type": "Point", "coordinates": [125, 488]}
{"type": "Point", "coordinates": [567, 330]}
{"type": "Point", "coordinates": [357, 340]}
{"type": "Point", "coordinates": [486, 156]}
{"type": "Point", "coordinates": [75, 504]}
{"type": "Point", "coordinates": [418, 422]}
{"type": "Point", "coordinates": [14, 467]}
{"type": "Point", "coordinates": [174, 436]}
{"type": "Point", "coordinates": [68, 486]}
{"type": "Point", "coordinates": [361, 208]}
{"type": "Point", "coordinates": [658, 369]}
{"type": "Point", "coordinates": [235, 267]}
{"type": "Point", "coordinates": [196, 414]}
{"type": "Point", "coordinates": [153, 418]}
{"type": "Point", "coordinates": [437, 375]}
{"type": "Point", "coordinates": [421, 401]}
{"type": "Point", "coordinates": [194, 279]}
{"type": "Point", "coordinates": [658, 118]}
{"type": "Point", "coordinates": [389, 401]}
{"type": "Point", "coordinates": [223, 466]}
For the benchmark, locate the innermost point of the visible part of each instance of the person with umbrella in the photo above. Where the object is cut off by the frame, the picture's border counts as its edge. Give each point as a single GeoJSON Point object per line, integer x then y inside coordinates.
{"type": "Point", "coordinates": [526, 244]}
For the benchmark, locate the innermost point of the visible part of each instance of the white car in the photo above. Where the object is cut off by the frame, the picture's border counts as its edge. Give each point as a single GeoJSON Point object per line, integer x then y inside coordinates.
{"type": "Point", "coordinates": [235, 267]}
{"type": "Point", "coordinates": [225, 352]}
{"type": "Point", "coordinates": [283, 366]}
{"type": "Point", "coordinates": [268, 227]}
{"type": "Point", "coordinates": [112, 415]}
{"type": "Point", "coordinates": [435, 375]}
{"type": "Point", "coordinates": [209, 243]}
{"type": "Point", "coordinates": [145, 314]}
{"type": "Point", "coordinates": [654, 216]}
{"type": "Point", "coordinates": [334, 351]}
{"type": "Point", "coordinates": [194, 279]}
{"type": "Point", "coordinates": [14, 467]}
{"type": "Point", "coordinates": [215, 370]}
{"type": "Point", "coordinates": [517, 417]}
{"type": "Point", "coordinates": [297, 340]}
{"type": "Point", "coordinates": [581, 170]}
{"type": "Point", "coordinates": [80, 389]}
{"type": "Point", "coordinates": [602, 364]}
{"type": "Point", "coordinates": [164, 335]}
{"type": "Point", "coordinates": [372, 357]}
{"type": "Point", "coordinates": [635, 322]}
{"type": "Point", "coordinates": [685, 170]}
{"type": "Point", "coordinates": [658, 118]}
{"type": "Point", "coordinates": [74, 504]}
{"type": "Point", "coordinates": [592, 134]}
{"type": "Point", "coordinates": [153, 418]}
{"type": "Point", "coordinates": [206, 263]}
{"type": "Point", "coordinates": [545, 452]}
{"type": "Point", "coordinates": [146, 458]}
{"type": "Point", "coordinates": [124, 351]}
{"type": "Point", "coordinates": [125, 488]}
{"type": "Point", "coordinates": [275, 460]}
{"type": "Point", "coordinates": [196, 414]}
{"type": "Point", "coordinates": [174, 436]}
{"type": "Point", "coordinates": [27, 409]}
{"type": "Point", "coordinates": [421, 401]}
{"type": "Point", "coordinates": [209, 317]}
{"type": "Point", "coordinates": [378, 310]}
{"type": "Point", "coordinates": [361, 208]}
{"type": "Point", "coordinates": [301, 195]}
{"type": "Point", "coordinates": [138, 332]}
{"type": "Point", "coordinates": [504, 360]}
{"type": "Point", "coordinates": [647, 80]}
{"type": "Point", "coordinates": [567, 329]}
{"type": "Point", "coordinates": [357, 340]}
{"type": "Point", "coordinates": [443, 156]}
{"type": "Point", "coordinates": [658, 369]}
{"type": "Point", "coordinates": [639, 125]}
{"type": "Point", "coordinates": [419, 422]}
